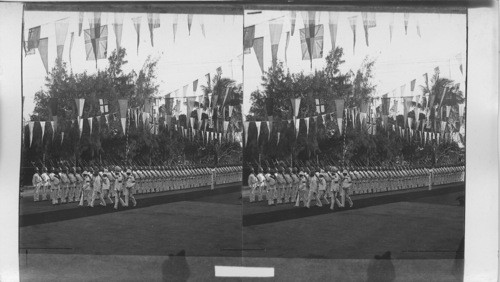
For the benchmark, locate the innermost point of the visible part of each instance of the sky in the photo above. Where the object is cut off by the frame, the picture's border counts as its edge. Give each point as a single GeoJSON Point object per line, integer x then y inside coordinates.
{"type": "Point", "coordinates": [406, 57]}
{"type": "Point", "coordinates": [190, 57]}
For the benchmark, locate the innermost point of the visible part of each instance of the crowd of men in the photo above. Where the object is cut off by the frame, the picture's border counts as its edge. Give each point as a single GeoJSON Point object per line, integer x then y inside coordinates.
{"type": "Point", "coordinates": [330, 185]}
{"type": "Point", "coordinates": [118, 186]}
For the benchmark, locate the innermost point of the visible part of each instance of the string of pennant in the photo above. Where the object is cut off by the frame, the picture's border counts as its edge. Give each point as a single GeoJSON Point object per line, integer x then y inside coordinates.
{"type": "Point", "coordinates": [136, 113]}
{"type": "Point", "coordinates": [313, 34]}
{"type": "Point", "coordinates": [96, 36]}
{"type": "Point", "coordinates": [366, 114]}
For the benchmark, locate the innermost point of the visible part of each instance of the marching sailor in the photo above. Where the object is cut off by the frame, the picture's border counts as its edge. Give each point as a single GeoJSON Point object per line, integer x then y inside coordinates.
{"type": "Point", "coordinates": [261, 183]}
{"type": "Point", "coordinates": [45, 184]}
{"type": "Point", "coordinates": [129, 188]}
{"type": "Point", "coordinates": [346, 185]}
{"type": "Point", "coordinates": [37, 184]}
{"type": "Point", "coordinates": [252, 183]}
{"type": "Point", "coordinates": [72, 185]}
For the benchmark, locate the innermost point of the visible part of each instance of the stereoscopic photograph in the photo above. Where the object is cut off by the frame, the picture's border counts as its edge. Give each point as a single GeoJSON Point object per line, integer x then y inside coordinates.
{"type": "Point", "coordinates": [160, 140]}
{"type": "Point", "coordinates": [354, 142]}
{"type": "Point", "coordinates": [132, 135]}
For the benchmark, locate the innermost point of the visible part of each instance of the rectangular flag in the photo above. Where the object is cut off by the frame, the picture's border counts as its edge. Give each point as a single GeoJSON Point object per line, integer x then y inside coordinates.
{"type": "Point", "coordinates": [248, 36]}
{"type": "Point", "coordinates": [311, 42]}
{"type": "Point", "coordinates": [96, 43]}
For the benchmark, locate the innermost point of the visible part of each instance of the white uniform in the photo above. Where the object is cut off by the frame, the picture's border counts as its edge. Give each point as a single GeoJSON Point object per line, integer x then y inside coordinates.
{"type": "Point", "coordinates": [37, 183]}
{"type": "Point", "coordinates": [97, 190]}
{"type": "Point", "coordinates": [129, 190]}
{"type": "Point", "coordinates": [54, 187]}
{"type": "Point", "coordinates": [313, 191]}
{"type": "Point", "coordinates": [346, 185]}
{"type": "Point", "coordinates": [45, 186]}
{"type": "Point", "coordinates": [253, 183]}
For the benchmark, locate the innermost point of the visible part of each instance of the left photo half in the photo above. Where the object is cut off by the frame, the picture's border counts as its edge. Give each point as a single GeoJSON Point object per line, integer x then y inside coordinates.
{"type": "Point", "coordinates": [132, 140]}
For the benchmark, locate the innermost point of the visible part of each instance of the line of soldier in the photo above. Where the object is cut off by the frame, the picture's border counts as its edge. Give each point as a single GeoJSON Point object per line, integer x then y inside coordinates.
{"type": "Point", "coordinates": [64, 185]}
{"type": "Point", "coordinates": [332, 185]}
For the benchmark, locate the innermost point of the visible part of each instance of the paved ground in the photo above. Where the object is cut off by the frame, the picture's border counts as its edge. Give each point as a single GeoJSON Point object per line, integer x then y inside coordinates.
{"type": "Point", "coordinates": [203, 225]}
{"type": "Point", "coordinates": [428, 225]}
{"type": "Point", "coordinates": [313, 245]}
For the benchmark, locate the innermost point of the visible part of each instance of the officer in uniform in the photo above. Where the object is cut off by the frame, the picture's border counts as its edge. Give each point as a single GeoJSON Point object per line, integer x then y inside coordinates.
{"type": "Point", "coordinates": [78, 184]}
{"type": "Point", "coordinates": [335, 188]}
{"type": "Point", "coordinates": [106, 185]}
{"type": "Point", "coordinates": [322, 187]}
{"type": "Point", "coordinates": [346, 185]}
{"type": "Point", "coordinates": [64, 186]}
{"type": "Point", "coordinates": [37, 184]}
{"type": "Point", "coordinates": [54, 185]}
{"type": "Point", "coordinates": [302, 189]}
{"type": "Point", "coordinates": [119, 179]}
{"type": "Point", "coordinates": [86, 188]}
{"type": "Point", "coordinates": [72, 185]}
{"type": "Point", "coordinates": [96, 188]}
{"type": "Point", "coordinates": [261, 183]}
{"type": "Point", "coordinates": [288, 185]}
{"type": "Point", "coordinates": [45, 184]}
{"type": "Point", "coordinates": [129, 188]}
{"type": "Point", "coordinates": [280, 185]}
{"type": "Point", "coordinates": [313, 190]}
{"type": "Point", "coordinates": [270, 186]}
{"type": "Point", "coordinates": [252, 183]}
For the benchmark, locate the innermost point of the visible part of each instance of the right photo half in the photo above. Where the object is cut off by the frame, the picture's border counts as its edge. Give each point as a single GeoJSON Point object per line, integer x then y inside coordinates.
{"type": "Point", "coordinates": [354, 135]}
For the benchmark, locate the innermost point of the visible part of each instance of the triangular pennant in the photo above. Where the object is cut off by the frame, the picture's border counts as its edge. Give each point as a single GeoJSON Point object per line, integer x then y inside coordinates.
{"type": "Point", "coordinates": [90, 120]}
{"type": "Point", "coordinates": [118, 28]}
{"type": "Point", "coordinates": [202, 24]}
{"type": "Point", "coordinates": [190, 22]}
{"type": "Point", "coordinates": [123, 105]}
{"type": "Point", "coordinates": [275, 28]}
{"type": "Point", "coordinates": [225, 126]}
{"type": "Point", "coordinates": [42, 124]}
{"type": "Point", "coordinates": [406, 19]}
{"type": "Point", "coordinates": [80, 125]}
{"type": "Point", "coordinates": [296, 121]}
{"type": "Point", "coordinates": [80, 103]}
{"type": "Point", "coordinates": [293, 17]}
{"type": "Point", "coordinates": [307, 125]}
{"type": "Point", "coordinates": [71, 47]}
{"type": "Point", "coordinates": [391, 26]}
{"type": "Point", "coordinates": [61, 28]}
{"type": "Point", "coordinates": [333, 19]}
{"type": "Point", "coordinates": [174, 24]}
{"type": "Point", "coordinates": [352, 21]}
{"type": "Point", "coordinates": [369, 21]}
{"type": "Point", "coordinates": [43, 49]}
{"type": "Point", "coordinates": [287, 42]}
{"type": "Point", "coordinates": [245, 128]}
{"type": "Point", "coordinates": [257, 124]}
{"type": "Point", "coordinates": [258, 48]}
{"type": "Point", "coordinates": [295, 106]}
{"type": "Point", "coordinates": [80, 23]}
{"type": "Point", "coordinates": [339, 123]}
{"type": "Point", "coordinates": [137, 27]}
{"type": "Point", "coordinates": [52, 126]}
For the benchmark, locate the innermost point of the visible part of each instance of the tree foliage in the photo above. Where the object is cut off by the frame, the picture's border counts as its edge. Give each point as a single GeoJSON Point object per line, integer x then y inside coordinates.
{"type": "Point", "coordinates": [106, 142]}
